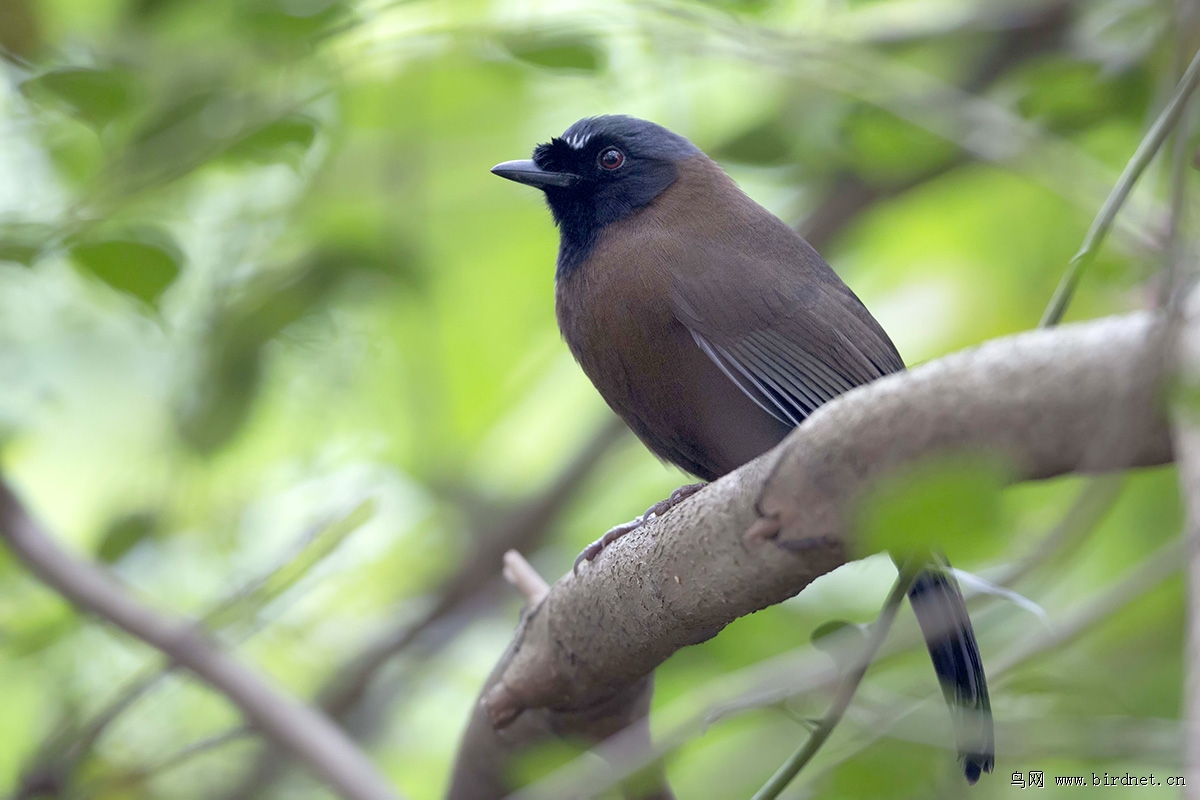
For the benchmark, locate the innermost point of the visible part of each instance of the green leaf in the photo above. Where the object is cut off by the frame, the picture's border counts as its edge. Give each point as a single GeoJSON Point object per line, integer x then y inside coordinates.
{"type": "Point", "coordinates": [951, 504]}
{"type": "Point", "coordinates": [1065, 94]}
{"type": "Point", "coordinates": [556, 51]}
{"type": "Point", "coordinates": [125, 533]}
{"type": "Point", "coordinates": [821, 635]}
{"type": "Point", "coordinates": [884, 147]}
{"type": "Point", "coordinates": [325, 542]}
{"type": "Point", "coordinates": [45, 626]}
{"type": "Point", "coordinates": [286, 139]}
{"type": "Point", "coordinates": [97, 96]}
{"type": "Point", "coordinates": [179, 136]}
{"type": "Point", "coordinates": [183, 113]}
{"type": "Point", "coordinates": [765, 144]}
{"type": "Point", "coordinates": [231, 363]}
{"type": "Point", "coordinates": [141, 262]}
{"type": "Point", "coordinates": [537, 762]}
{"type": "Point", "coordinates": [75, 148]}
{"type": "Point", "coordinates": [22, 241]}
{"type": "Point", "coordinates": [211, 126]}
{"type": "Point", "coordinates": [291, 21]}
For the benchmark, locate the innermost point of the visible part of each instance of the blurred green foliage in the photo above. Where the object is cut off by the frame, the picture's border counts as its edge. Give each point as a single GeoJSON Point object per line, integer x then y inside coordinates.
{"type": "Point", "coordinates": [926, 509]}
{"type": "Point", "coordinates": [266, 321]}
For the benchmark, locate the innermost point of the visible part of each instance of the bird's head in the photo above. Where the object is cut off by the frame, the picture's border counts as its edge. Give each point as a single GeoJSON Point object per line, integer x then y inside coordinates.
{"type": "Point", "coordinates": [602, 169]}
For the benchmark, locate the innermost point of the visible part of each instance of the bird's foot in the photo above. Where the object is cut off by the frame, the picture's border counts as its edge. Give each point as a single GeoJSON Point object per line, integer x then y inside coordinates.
{"type": "Point", "coordinates": [594, 549]}
{"type": "Point", "coordinates": [657, 510]}
{"type": "Point", "coordinates": [677, 497]}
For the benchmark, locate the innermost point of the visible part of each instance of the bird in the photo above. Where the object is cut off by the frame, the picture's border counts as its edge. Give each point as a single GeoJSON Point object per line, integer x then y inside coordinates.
{"type": "Point", "coordinates": [712, 328]}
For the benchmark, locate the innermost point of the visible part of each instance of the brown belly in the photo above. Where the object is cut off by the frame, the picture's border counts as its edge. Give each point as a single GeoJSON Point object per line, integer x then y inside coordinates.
{"type": "Point", "coordinates": [651, 372]}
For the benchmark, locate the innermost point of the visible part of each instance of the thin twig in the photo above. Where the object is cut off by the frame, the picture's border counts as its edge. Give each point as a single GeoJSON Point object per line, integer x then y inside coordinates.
{"type": "Point", "coordinates": [1108, 212]}
{"type": "Point", "coordinates": [1182, 272]}
{"type": "Point", "coordinates": [1152, 571]}
{"type": "Point", "coordinates": [64, 752]}
{"type": "Point", "coordinates": [524, 578]}
{"type": "Point", "coordinates": [1147, 575]}
{"type": "Point", "coordinates": [525, 528]}
{"type": "Point", "coordinates": [841, 701]}
{"type": "Point", "coordinates": [1173, 273]}
{"type": "Point", "coordinates": [169, 762]}
{"type": "Point", "coordinates": [308, 735]}
{"type": "Point", "coordinates": [194, 749]}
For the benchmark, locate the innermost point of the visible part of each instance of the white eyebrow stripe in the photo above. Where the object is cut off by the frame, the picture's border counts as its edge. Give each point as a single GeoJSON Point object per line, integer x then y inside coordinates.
{"type": "Point", "coordinates": [577, 141]}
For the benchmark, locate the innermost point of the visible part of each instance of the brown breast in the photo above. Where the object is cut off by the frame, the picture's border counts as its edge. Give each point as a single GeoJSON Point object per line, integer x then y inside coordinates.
{"type": "Point", "coordinates": [615, 314]}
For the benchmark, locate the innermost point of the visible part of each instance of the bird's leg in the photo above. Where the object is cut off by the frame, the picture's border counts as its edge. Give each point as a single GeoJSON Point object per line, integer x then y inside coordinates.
{"type": "Point", "coordinates": [657, 510]}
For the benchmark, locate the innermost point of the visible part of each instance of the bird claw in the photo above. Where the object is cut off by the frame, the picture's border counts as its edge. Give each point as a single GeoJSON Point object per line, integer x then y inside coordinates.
{"type": "Point", "coordinates": [677, 497]}
{"type": "Point", "coordinates": [611, 535]}
{"type": "Point", "coordinates": [594, 549]}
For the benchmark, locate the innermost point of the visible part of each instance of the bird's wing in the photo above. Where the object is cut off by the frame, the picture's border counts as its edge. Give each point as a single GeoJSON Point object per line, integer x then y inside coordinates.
{"type": "Point", "coordinates": [788, 332]}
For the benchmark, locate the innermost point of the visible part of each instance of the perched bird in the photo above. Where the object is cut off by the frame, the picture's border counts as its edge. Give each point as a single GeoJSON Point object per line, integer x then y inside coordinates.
{"type": "Point", "coordinates": [712, 328]}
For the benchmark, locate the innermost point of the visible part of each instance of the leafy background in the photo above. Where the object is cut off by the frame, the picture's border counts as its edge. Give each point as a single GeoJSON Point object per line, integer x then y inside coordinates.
{"type": "Point", "coordinates": [277, 348]}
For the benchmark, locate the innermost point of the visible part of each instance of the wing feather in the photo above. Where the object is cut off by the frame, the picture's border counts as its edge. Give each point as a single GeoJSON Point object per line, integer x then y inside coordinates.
{"type": "Point", "coordinates": [755, 391]}
{"type": "Point", "coordinates": [792, 348]}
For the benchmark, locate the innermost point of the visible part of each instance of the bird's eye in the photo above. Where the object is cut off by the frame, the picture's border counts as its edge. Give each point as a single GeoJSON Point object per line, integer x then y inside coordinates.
{"type": "Point", "coordinates": [611, 158]}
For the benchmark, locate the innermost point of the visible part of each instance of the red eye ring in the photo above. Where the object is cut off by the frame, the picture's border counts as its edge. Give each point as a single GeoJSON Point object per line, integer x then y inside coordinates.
{"type": "Point", "coordinates": [611, 159]}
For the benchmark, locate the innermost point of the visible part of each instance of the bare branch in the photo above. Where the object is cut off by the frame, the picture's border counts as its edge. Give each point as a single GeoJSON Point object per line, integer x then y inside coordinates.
{"type": "Point", "coordinates": [525, 528]}
{"type": "Point", "coordinates": [805, 674]}
{"type": "Point", "coordinates": [524, 578]}
{"type": "Point", "coordinates": [308, 735]}
{"type": "Point", "coordinates": [61, 755]}
{"type": "Point", "coordinates": [139, 775]}
{"type": "Point", "coordinates": [1038, 400]}
{"type": "Point", "coordinates": [1137, 164]}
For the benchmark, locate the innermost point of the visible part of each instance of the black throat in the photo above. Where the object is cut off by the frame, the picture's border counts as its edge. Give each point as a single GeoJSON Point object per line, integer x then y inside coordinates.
{"type": "Point", "coordinates": [578, 230]}
{"type": "Point", "coordinates": [580, 222]}
{"type": "Point", "coordinates": [582, 213]}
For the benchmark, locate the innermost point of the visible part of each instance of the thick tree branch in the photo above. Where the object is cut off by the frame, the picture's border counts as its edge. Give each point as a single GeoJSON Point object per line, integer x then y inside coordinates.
{"type": "Point", "coordinates": [1045, 402]}
{"type": "Point", "coordinates": [764, 684]}
{"type": "Point", "coordinates": [308, 735]}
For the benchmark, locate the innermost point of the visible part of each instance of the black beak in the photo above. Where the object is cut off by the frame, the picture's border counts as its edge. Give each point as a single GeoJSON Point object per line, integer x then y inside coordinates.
{"type": "Point", "coordinates": [531, 174]}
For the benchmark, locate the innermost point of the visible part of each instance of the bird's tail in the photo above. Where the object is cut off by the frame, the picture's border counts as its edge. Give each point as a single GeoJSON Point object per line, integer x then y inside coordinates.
{"type": "Point", "coordinates": [941, 612]}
